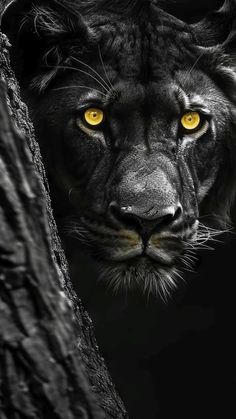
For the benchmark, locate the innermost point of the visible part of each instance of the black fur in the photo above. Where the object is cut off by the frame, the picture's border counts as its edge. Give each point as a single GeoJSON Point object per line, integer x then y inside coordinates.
{"type": "Point", "coordinates": [134, 49]}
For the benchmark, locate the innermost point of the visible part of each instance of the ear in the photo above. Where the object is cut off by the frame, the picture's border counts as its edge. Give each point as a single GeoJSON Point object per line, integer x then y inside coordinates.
{"type": "Point", "coordinates": [218, 27]}
{"type": "Point", "coordinates": [189, 11]}
{"type": "Point", "coordinates": [56, 21]}
{"type": "Point", "coordinates": [215, 44]}
{"type": "Point", "coordinates": [42, 33]}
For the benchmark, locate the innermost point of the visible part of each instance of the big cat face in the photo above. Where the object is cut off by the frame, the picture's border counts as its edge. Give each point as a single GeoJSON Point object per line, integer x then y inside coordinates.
{"type": "Point", "coordinates": [135, 129]}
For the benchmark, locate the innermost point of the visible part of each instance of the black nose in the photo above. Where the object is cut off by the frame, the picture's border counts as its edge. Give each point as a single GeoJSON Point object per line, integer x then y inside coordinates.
{"type": "Point", "coordinates": [145, 223]}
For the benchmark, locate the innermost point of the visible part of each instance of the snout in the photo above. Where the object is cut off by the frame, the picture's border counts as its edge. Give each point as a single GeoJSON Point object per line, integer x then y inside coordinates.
{"type": "Point", "coordinates": [143, 210]}
{"type": "Point", "coordinates": [136, 235]}
{"type": "Point", "coordinates": [143, 193]}
{"type": "Point", "coordinates": [152, 227]}
{"type": "Point", "coordinates": [146, 223]}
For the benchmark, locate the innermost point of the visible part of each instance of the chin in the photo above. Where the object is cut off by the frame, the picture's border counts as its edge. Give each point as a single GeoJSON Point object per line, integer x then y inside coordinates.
{"type": "Point", "coordinates": [140, 274]}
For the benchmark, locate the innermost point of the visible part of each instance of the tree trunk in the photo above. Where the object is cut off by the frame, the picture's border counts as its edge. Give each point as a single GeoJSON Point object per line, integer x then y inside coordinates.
{"type": "Point", "coordinates": [50, 366]}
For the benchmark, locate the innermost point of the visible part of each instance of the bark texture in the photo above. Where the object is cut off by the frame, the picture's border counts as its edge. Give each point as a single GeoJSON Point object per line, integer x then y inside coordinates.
{"type": "Point", "coordinates": [50, 366]}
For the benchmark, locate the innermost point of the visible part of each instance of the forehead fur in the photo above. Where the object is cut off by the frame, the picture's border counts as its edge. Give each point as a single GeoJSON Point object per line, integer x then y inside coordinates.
{"type": "Point", "coordinates": [137, 40]}
{"type": "Point", "coordinates": [147, 50]}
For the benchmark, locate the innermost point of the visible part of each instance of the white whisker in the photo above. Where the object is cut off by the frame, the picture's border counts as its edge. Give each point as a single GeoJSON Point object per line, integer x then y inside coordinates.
{"type": "Point", "coordinates": [94, 71]}
{"type": "Point", "coordinates": [62, 67]}
{"type": "Point", "coordinates": [81, 86]}
{"type": "Point", "coordinates": [192, 68]}
{"type": "Point", "coordinates": [104, 69]}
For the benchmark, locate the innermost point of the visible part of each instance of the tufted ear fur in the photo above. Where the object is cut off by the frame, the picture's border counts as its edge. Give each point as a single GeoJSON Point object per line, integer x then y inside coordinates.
{"type": "Point", "coordinates": [215, 44]}
{"type": "Point", "coordinates": [56, 20]}
{"type": "Point", "coordinates": [217, 27]}
{"type": "Point", "coordinates": [45, 34]}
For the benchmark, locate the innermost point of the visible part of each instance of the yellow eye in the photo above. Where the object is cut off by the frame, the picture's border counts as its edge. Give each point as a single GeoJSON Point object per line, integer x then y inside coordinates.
{"type": "Point", "coordinates": [94, 116]}
{"type": "Point", "coordinates": [191, 120]}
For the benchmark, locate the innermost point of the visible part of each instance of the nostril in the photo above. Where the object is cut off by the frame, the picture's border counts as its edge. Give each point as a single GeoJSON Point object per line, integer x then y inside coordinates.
{"type": "Point", "coordinates": [125, 216]}
{"type": "Point", "coordinates": [178, 212]}
{"type": "Point", "coordinates": [169, 214]}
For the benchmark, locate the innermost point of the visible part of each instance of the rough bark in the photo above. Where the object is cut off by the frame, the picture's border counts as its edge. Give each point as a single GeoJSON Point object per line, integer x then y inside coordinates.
{"type": "Point", "coordinates": [50, 366]}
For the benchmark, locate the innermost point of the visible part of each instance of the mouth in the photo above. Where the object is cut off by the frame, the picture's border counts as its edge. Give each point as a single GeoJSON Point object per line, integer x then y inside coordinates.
{"type": "Point", "coordinates": [158, 253]}
{"type": "Point", "coordinates": [125, 263]}
{"type": "Point", "coordinates": [155, 267]}
{"type": "Point", "coordinates": [126, 245]}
